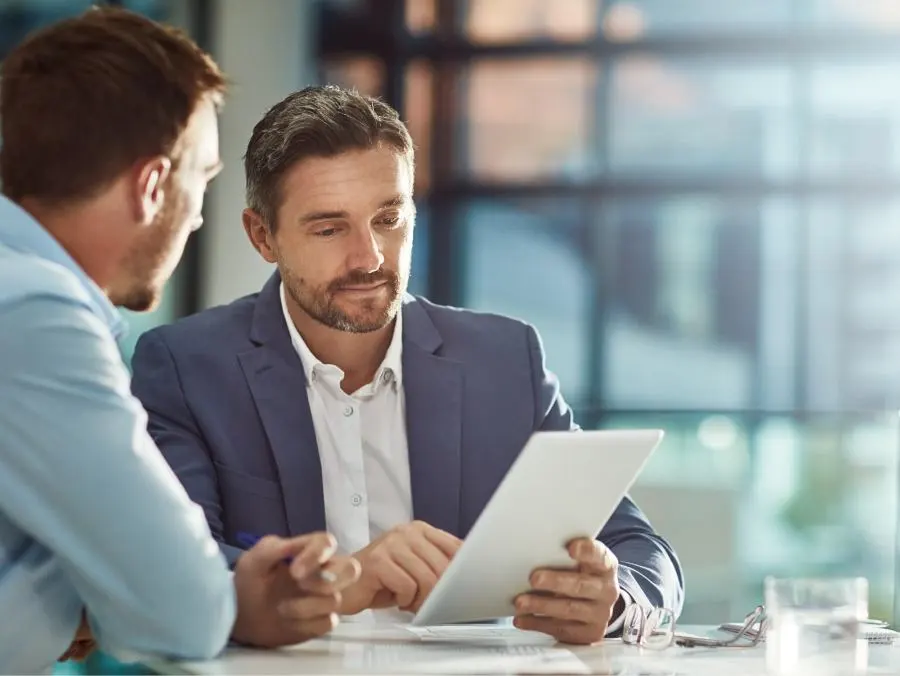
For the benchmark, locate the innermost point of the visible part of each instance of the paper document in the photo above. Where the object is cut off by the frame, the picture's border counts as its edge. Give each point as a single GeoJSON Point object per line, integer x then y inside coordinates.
{"type": "Point", "coordinates": [471, 632]}
{"type": "Point", "coordinates": [451, 657]}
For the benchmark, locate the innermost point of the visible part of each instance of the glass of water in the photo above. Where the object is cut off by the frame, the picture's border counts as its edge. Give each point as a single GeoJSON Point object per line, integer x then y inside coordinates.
{"type": "Point", "coordinates": [814, 626]}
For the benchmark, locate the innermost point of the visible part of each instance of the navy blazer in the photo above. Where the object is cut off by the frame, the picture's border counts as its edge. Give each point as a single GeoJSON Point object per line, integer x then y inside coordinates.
{"type": "Point", "coordinates": [226, 396]}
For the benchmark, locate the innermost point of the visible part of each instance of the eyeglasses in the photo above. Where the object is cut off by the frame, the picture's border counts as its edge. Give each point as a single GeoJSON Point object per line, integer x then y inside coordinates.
{"type": "Point", "coordinates": [655, 629]}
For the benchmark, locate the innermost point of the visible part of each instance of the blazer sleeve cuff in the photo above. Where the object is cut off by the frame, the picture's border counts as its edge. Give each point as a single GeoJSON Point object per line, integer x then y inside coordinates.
{"type": "Point", "coordinates": [615, 625]}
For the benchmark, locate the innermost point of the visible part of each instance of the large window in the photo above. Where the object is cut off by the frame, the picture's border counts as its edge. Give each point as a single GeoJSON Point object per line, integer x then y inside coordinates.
{"type": "Point", "coordinates": [696, 204]}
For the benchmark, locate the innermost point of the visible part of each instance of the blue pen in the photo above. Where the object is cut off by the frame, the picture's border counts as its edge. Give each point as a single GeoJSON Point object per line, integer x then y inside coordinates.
{"type": "Point", "coordinates": [249, 540]}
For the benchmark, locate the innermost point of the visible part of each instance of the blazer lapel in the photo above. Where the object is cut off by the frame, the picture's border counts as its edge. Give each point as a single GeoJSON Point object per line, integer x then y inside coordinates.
{"type": "Point", "coordinates": [278, 385]}
{"type": "Point", "coordinates": [434, 388]}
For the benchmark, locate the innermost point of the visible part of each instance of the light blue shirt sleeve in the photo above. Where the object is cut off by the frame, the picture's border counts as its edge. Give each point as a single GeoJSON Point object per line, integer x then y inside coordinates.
{"type": "Point", "coordinates": [80, 475]}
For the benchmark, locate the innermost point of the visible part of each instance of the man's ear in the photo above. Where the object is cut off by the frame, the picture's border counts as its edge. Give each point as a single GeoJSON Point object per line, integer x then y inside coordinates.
{"type": "Point", "coordinates": [149, 187]}
{"type": "Point", "coordinates": [259, 234]}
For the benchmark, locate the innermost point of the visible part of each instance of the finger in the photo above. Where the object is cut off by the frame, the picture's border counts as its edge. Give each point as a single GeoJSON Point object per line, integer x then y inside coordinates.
{"type": "Point", "coordinates": [569, 583]}
{"type": "Point", "coordinates": [271, 551]}
{"type": "Point", "coordinates": [394, 577]}
{"type": "Point", "coordinates": [309, 607]}
{"type": "Point", "coordinates": [342, 571]}
{"type": "Point", "coordinates": [567, 631]}
{"type": "Point", "coordinates": [424, 578]}
{"type": "Point", "coordinates": [310, 552]}
{"type": "Point", "coordinates": [561, 608]}
{"type": "Point", "coordinates": [319, 626]}
{"type": "Point", "coordinates": [447, 543]}
{"type": "Point", "coordinates": [430, 554]}
{"type": "Point", "coordinates": [345, 570]}
{"type": "Point", "coordinates": [593, 556]}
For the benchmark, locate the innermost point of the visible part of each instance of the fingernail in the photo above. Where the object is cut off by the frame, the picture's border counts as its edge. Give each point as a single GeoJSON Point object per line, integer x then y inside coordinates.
{"type": "Point", "coordinates": [328, 576]}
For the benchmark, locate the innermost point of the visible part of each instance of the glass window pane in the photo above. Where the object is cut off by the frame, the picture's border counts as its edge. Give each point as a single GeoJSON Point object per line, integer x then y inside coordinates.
{"type": "Point", "coordinates": [676, 116]}
{"type": "Point", "coordinates": [155, 9]}
{"type": "Point", "coordinates": [421, 16]}
{"type": "Point", "coordinates": [364, 73]}
{"type": "Point", "coordinates": [815, 485]}
{"type": "Point", "coordinates": [854, 291]}
{"type": "Point", "coordinates": [879, 16]}
{"type": "Point", "coordinates": [418, 110]}
{"type": "Point", "coordinates": [780, 496]}
{"type": "Point", "coordinates": [17, 18]}
{"type": "Point", "coordinates": [512, 251]}
{"type": "Point", "coordinates": [855, 119]}
{"type": "Point", "coordinates": [701, 467]}
{"type": "Point", "coordinates": [418, 278]}
{"type": "Point", "coordinates": [701, 303]}
{"type": "Point", "coordinates": [631, 19]}
{"type": "Point", "coordinates": [528, 119]}
{"type": "Point", "coordinates": [517, 20]}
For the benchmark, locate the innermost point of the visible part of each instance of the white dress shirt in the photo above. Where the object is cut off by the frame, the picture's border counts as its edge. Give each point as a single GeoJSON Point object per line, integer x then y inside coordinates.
{"type": "Point", "coordinates": [362, 445]}
{"type": "Point", "coordinates": [363, 450]}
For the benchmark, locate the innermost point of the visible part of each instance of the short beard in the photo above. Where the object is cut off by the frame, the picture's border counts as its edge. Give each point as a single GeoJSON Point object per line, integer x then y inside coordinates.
{"type": "Point", "coordinates": [138, 299]}
{"type": "Point", "coordinates": [321, 306]}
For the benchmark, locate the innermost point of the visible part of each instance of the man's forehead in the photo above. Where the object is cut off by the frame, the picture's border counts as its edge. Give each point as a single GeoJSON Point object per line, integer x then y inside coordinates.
{"type": "Point", "coordinates": [373, 175]}
{"type": "Point", "coordinates": [202, 133]}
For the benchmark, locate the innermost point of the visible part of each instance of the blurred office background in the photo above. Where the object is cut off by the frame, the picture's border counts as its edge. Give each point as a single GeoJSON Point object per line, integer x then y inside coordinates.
{"type": "Point", "coordinates": [697, 202]}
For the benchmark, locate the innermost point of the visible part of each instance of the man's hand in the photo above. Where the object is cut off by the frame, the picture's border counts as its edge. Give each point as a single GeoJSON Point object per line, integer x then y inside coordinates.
{"type": "Point", "coordinates": [83, 643]}
{"type": "Point", "coordinates": [282, 603]}
{"type": "Point", "coordinates": [400, 568]}
{"type": "Point", "coordinates": [572, 606]}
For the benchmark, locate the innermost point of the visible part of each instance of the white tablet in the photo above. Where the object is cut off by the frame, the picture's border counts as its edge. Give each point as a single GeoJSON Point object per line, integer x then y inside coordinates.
{"type": "Point", "coordinates": [563, 485]}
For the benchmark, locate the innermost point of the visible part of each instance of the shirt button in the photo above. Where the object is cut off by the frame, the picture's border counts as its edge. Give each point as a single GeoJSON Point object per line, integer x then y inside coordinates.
{"type": "Point", "coordinates": [348, 411]}
{"type": "Point", "coordinates": [387, 377]}
{"type": "Point", "coordinates": [356, 500]}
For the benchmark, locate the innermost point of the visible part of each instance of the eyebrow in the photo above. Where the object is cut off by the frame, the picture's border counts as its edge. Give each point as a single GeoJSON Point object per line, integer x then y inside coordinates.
{"type": "Point", "coordinates": [396, 201]}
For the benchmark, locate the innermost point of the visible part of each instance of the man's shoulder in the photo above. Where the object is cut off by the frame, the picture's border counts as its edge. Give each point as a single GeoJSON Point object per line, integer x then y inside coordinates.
{"type": "Point", "coordinates": [210, 326]}
{"type": "Point", "coordinates": [455, 323]}
{"type": "Point", "coordinates": [26, 276]}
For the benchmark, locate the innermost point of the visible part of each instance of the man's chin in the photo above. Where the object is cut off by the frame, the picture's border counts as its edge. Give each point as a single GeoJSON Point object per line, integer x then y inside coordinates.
{"type": "Point", "coordinates": [357, 320]}
{"type": "Point", "coordinates": [365, 324]}
{"type": "Point", "coordinates": [144, 299]}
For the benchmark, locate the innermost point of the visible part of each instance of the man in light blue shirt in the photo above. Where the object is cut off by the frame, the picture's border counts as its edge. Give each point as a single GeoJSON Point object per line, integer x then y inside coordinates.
{"type": "Point", "coordinates": [109, 140]}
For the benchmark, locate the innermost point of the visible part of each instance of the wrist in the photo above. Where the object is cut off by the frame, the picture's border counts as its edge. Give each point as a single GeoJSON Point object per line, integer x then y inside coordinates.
{"type": "Point", "coordinates": [353, 599]}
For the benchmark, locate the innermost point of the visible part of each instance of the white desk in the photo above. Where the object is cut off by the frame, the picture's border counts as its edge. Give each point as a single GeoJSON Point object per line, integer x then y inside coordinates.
{"type": "Point", "coordinates": [391, 649]}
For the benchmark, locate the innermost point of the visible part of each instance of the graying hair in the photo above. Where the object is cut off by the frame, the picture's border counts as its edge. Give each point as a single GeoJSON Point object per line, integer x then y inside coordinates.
{"type": "Point", "coordinates": [319, 121]}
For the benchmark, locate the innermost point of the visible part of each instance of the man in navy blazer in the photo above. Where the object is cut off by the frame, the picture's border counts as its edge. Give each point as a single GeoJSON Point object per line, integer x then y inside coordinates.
{"type": "Point", "coordinates": [333, 399]}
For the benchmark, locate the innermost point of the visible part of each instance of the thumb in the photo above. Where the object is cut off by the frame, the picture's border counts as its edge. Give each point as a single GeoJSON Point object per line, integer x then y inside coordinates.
{"type": "Point", "coordinates": [310, 552]}
{"type": "Point", "coordinates": [384, 598]}
{"type": "Point", "coordinates": [268, 553]}
{"type": "Point", "coordinates": [305, 553]}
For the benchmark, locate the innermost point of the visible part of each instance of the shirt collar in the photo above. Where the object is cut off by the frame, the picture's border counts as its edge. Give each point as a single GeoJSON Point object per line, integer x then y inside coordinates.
{"type": "Point", "coordinates": [21, 232]}
{"type": "Point", "coordinates": [392, 363]}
